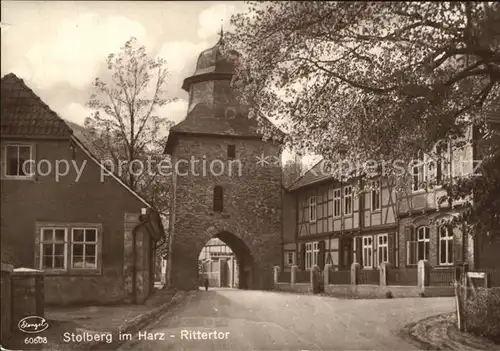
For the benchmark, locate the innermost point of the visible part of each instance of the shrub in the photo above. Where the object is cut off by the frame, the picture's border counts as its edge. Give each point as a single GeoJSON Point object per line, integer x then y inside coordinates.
{"type": "Point", "coordinates": [388, 295]}
{"type": "Point", "coordinates": [482, 313]}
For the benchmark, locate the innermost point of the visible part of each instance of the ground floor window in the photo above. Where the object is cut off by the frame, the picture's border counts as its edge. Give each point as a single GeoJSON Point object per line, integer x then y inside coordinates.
{"type": "Point", "coordinates": [367, 252]}
{"type": "Point", "coordinates": [382, 248]}
{"type": "Point", "coordinates": [290, 258]}
{"type": "Point", "coordinates": [84, 248]}
{"type": "Point", "coordinates": [417, 245]}
{"type": "Point", "coordinates": [312, 251]}
{"type": "Point", "coordinates": [53, 248]}
{"type": "Point", "coordinates": [445, 245]}
{"type": "Point", "coordinates": [67, 247]}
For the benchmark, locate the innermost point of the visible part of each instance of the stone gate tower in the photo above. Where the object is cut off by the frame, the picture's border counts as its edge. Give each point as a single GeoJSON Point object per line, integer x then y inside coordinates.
{"type": "Point", "coordinates": [227, 182]}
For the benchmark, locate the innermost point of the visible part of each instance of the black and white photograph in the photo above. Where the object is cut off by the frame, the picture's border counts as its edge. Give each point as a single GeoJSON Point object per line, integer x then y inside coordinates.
{"type": "Point", "coordinates": [250, 175]}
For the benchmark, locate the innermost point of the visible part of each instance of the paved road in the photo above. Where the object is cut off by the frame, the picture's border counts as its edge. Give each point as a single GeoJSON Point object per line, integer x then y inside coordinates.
{"type": "Point", "coordinates": [256, 320]}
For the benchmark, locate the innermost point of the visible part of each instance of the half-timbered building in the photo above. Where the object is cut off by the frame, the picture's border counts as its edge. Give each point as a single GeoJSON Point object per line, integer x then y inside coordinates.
{"type": "Point", "coordinates": [335, 223]}
{"type": "Point", "coordinates": [328, 221]}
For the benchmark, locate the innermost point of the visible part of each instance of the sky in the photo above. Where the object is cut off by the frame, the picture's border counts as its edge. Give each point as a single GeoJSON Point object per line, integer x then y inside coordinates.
{"type": "Point", "coordinates": [60, 47]}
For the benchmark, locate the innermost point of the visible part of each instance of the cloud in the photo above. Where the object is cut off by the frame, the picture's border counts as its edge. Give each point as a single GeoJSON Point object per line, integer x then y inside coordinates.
{"type": "Point", "coordinates": [175, 111]}
{"type": "Point", "coordinates": [74, 54]}
{"type": "Point", "coordinates": [180, 54]}
{"type": "Point", "coordinates": [211, 19]}
{"type": "Point", "coordinates": [74, 112]}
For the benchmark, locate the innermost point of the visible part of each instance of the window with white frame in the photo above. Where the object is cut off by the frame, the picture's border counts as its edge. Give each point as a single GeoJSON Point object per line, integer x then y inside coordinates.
{"type": "Point", "coordinates": [290, 258]}
{"type": "Point", "coordinates": [308, 255]}
{"type": "Point", "coordinates": [418, 246]}
{"type": "Point", "coordinates": [348, 200]}
{"type": "Point", "coordinates": [419, 173]}
{"type": "Point", "coordinates": [375, 196]}
{"type": "Point", "coordinates": [367, 252]}
{"type": "Point", "coordinates": [446, 245]}
{"type": "Point", "coordinates": [423, 239]}
{"type": "Point", "coordinates": [382, 248]}
{"type": "Point", "coordinates": [84, 248]}
{"type": "Point", "coordinates": [16, 159]}
{"type": "Point", "coordinates": [431, 170]}
{"type": "Point", "coordinates": [312, 208]}
{"type": "Point", "coordinates": [69, 248]}
{"type": "Point", "coordinates": [53, 248]}
{"type": "Point", "coordinates": [337, 203]}
{"type": "Point", "coordinates": [312, 251]}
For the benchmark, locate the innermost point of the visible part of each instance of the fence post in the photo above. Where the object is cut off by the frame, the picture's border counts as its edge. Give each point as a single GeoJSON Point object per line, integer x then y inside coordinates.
{"type": "Point", "coordinates": [457, 270]}
{"type": "Point", "coordinates": [465, 270]}
{"type": "Point", "coordinates": [355, 268]}
{"type": "Point", "coordinates": [326, 274]}
{"type": "Point", "coordinates": [383, 273]}
{"type": "Point", "coordinates": [293, 275]}
{"type": "Point", "coordinates": [6, 302]}
{"type": "Point", "coordinates": [487, 280]}
{"type": "Point", "coordinates": [459, 305]}
{"type": "Point", "coordinates": [276, 275]}
{"type": "Point", "coordinates": [314, 279]}
{"type": "Point", "coordinates": [423, 274]}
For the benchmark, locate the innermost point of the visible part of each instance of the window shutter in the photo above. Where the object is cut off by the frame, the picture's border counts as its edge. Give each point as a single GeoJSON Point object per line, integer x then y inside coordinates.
{"type": "Point", "coordinates": [392, 248]}
{"type": "Point", "coordinates": [321, 254]}
{"type": "Point", "coordinates": [302, 261]}
{"type": "Point", "coordinates": [409, 233]}
{"type": "Point", "coordinates": [359, 250]}
{"type": "Point", "coordinates": [409, 236]}
{"type": "Point", "coordinates": [458, 248]}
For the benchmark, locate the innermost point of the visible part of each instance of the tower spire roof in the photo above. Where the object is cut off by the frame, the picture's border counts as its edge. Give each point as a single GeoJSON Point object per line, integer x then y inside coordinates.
{"type": "Point", "coordinates": [221, 33]}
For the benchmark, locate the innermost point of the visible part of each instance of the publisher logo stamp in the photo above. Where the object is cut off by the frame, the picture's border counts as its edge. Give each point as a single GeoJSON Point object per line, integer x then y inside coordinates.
{"type": "Point", "coordinates": [33, 324]}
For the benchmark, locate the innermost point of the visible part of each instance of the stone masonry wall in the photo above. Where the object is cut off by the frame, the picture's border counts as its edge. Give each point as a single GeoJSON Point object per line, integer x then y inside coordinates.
{"type": "Point", "coordinates": [252, 205]}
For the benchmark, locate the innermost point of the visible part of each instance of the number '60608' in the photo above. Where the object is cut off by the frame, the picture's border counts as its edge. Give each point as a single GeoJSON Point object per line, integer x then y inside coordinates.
{"type": "Point", "coordinates": [35, 340]}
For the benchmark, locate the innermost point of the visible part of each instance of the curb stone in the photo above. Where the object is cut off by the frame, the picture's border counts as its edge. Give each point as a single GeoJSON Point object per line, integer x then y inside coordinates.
{"type": "Point", "coordinates": [136, 324]}
{"type": "Point", "coordinates": [453, 340]}
{"type": "Point", "coordinates": [406, 334]}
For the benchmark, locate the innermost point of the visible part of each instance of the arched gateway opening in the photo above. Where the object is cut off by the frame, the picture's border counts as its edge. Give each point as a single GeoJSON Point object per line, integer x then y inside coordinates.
{"type": "Point", "coordinates": [225, 261]}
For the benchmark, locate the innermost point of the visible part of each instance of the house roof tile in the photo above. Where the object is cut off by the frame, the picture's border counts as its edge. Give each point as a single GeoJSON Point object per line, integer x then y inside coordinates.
{"type": "Point", "coordinates": [23, 113]}
{"type": "Point", "coordinates": [316, 174]}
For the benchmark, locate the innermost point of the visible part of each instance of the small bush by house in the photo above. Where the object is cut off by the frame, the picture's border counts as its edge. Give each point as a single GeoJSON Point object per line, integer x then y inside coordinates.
{"type": "Point", "coordinates": [482, 313]}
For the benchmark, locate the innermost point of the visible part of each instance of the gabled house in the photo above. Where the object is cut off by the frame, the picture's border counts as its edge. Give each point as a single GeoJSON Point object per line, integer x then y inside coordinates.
{"type": "Point", "coordinates": [62, 212]}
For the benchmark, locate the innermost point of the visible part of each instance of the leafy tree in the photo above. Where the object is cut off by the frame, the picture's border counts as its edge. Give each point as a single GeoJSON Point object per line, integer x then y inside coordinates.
{"type": "Point", "coordinates": [126, 126]}
{"type": "Point", "coordinates": [126, 131]}
{"type": "Point", "coordinates": [482, 215]}
{"type": "Point", "coordinates": [365, 81]}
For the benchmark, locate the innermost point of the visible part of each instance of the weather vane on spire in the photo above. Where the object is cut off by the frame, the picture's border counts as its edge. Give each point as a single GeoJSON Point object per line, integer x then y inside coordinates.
{"type": "Point", "coordinates": [221, 33]}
